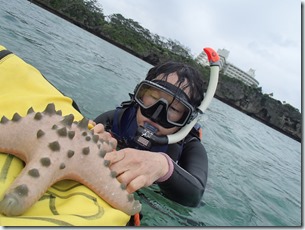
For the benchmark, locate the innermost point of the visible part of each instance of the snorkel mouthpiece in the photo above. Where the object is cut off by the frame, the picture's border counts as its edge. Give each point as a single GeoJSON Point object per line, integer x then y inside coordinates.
{"type": "Point", "coordinates": [147, 135]}
{"type": "Point", "coordinates": [150, 128]}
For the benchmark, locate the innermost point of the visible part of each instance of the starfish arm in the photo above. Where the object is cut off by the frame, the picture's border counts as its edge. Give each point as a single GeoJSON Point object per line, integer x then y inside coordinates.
{"type": "Point", "coordinates": [26, 189]}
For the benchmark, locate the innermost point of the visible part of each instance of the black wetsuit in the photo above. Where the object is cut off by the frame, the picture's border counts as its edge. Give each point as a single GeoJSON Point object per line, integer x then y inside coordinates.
{"type": "Point", "coordinates": [187, 183]}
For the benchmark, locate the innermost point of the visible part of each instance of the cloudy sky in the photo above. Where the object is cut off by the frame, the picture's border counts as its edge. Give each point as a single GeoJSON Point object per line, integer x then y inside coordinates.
{"type": "Point", "coordinates": [262, 35]}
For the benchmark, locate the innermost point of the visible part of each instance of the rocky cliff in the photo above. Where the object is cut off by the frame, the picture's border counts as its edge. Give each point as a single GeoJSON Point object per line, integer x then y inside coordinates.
{"type": "Point", "coordinates": [282, 117]}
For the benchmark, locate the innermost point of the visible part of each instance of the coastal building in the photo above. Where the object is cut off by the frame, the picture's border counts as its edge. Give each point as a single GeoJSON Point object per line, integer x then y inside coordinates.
{"type": "Point", "coordinates": [235, 72]}
{"type": "Point", "coordinates": [202, 59]}
{"type": "Point", "coordinates": [223, 56]}
{"type": "Point", "coordinates": [229, 69]}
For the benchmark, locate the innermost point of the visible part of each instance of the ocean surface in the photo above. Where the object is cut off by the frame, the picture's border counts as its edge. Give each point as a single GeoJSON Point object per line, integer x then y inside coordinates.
{"type": "Point", "coordinates": [254, 171]}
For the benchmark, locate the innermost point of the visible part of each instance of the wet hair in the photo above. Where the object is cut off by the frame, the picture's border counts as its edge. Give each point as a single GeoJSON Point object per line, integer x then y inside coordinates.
{"type": "Point", "coordinates": [194, 79]}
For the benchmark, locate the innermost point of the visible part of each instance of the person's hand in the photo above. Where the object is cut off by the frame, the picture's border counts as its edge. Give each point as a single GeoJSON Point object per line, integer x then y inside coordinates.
{"type": "Point", "coordinates": [137, 168]}
{"type": "Point", "coordinates": [99, 130]}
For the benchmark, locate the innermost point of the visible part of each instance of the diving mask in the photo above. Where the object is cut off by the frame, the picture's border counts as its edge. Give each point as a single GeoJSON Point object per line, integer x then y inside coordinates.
{"type": "Point", "coordinates": [164, 103]}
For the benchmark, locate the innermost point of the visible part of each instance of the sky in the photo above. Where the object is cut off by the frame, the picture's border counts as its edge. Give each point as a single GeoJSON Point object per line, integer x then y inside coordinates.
{"type": "Point", "coordinates": [264, 35]}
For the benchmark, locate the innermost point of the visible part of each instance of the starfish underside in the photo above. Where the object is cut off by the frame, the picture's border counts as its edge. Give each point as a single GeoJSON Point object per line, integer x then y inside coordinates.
{"type": "Point", "coordinates": [55, 148]}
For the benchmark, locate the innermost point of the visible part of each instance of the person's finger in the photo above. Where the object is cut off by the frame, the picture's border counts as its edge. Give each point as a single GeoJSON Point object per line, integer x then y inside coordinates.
{"type": "Point", "coordinates": [106, 136]}
{"type": "Point", "coordinates": [125, 175]}
{"type": "Point", "coordinates": [91, 122]}
{"type": "Point", "coordinates": [115, 156]}
{"type": "Point", "coordinates": [106, 147]}
{"type": "Point", "coordinates": [136, 184]}
{"type": "Point", "coordinates": [113, 142]}
{"type": "Point", "coordinates": [99, 128]}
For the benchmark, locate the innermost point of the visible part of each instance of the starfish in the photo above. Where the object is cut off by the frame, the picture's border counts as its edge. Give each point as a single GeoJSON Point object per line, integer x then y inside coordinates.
{"type": "Point", "coordinates": [55, 148]}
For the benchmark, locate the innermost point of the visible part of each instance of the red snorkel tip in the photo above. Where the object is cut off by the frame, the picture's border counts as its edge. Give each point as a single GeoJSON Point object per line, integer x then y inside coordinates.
{"type": "Point", "coordinates": [212, 55]}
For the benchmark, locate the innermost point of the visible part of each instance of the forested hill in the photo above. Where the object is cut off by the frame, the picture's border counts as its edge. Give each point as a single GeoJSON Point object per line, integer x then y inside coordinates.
{"type": "Point", "coordinates": [152, 48]}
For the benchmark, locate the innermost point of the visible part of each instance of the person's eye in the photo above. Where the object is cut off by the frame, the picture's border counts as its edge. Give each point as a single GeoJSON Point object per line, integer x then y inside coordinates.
{"type": "Point", "coordinates": [174, 109]}
{"type": "Point", "coordinates": [154, 96]}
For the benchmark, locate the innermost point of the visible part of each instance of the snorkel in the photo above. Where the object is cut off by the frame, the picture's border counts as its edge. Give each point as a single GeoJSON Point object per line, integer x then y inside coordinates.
{"type": "Point", "coordinates": [146, 134]}
{"type": "Point", "coordinates": [214, 74]}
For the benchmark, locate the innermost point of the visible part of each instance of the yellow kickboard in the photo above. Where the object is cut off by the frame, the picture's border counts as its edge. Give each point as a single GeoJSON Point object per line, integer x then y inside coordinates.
{"type": "Point", "coordinates": [66, 203]}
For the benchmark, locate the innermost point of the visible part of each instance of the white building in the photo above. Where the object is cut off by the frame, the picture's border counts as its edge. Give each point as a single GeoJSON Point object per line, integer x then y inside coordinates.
{"type": "Point", "coordinates": [229, 69]}
{"type": "Point", "coordinates": [223, 55]}
{"type": "Point", "coordinates": [202, 59]}
{"type": "Point", "coordinates": [234, 72]}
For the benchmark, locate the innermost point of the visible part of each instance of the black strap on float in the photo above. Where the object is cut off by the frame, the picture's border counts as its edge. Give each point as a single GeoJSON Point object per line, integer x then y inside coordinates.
{"type": "Point", "coordinates": [4, 53]}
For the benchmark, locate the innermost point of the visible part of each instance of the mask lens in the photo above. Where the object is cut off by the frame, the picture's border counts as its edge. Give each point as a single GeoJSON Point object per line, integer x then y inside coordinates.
{"type": "Point", "coordinates": [161, 105]}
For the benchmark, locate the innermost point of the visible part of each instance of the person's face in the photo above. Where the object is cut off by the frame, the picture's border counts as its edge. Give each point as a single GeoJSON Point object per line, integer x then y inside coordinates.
{"type": "Point", "coordinates": [174, 112]}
